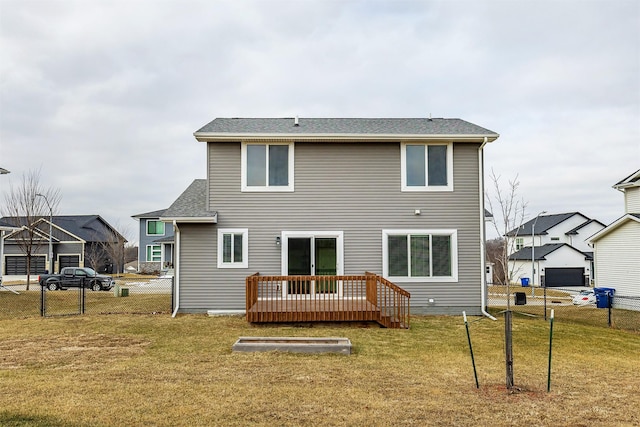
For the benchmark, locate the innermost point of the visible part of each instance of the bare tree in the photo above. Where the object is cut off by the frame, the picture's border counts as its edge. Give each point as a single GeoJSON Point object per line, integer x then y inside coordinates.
{"type": "Point", "coordinates": [508, 214]}
{"type": "Point", "coordinates": [24, 205]}
{"type": "Point", "coordinates": [93, 255]}
{"type": "Point", "coordinates": [509, 211]}
{"type": "Point", "coordinates": [115, 247]}
{"type": "Point", "coordinates": [494, 249]}
{"type": "Point", "coordinates": [130, 253]}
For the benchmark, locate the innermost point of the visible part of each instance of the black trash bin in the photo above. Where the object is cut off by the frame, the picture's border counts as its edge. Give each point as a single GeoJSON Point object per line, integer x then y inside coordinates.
{"type": "Point", "coordinates": [604, 297]}
{"type": "Point", "coordinates": [520, 298]}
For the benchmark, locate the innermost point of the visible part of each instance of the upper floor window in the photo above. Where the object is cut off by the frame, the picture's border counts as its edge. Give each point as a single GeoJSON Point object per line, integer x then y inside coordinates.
{"type": "Point", "coordinates": [267, 167]}
{"type": "Point", "coordinates": [427, 167]}
{"type": "Point", "coordinates": [425, 255]}
{"type": "Point", "coordinates": [155, 228]}
{"type": "Point", "coordinates": [519, 243]}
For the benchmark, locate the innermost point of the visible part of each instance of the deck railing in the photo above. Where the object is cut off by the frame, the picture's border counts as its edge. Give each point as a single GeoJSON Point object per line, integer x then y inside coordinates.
{"type": "Point", "coordinates": [367, 297]}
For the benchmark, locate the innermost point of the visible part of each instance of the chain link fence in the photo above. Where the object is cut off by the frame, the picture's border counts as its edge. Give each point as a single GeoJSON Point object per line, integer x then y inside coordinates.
{"type": "Point", "coordinates": [617, 311]}
{"type": "Point", "coordinates": [131, 295]}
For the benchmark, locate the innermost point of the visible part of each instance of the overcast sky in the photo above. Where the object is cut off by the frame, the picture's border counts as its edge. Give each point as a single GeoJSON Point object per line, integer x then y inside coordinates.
{"type": "Point", "coordinates": [104, 96]}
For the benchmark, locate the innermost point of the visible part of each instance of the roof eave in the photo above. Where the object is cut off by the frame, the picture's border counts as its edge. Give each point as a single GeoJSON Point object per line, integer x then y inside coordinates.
{"type": "Point", "coordinates": [340, 137]}
{"type": "Point", "coordinates": [614, 225]}
{"type": "Point", "coordinates": [191, 219]}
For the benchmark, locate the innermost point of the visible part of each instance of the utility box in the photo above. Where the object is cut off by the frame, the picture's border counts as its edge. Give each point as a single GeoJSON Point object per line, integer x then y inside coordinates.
{"type": "Point", "coordinates": [520, 298]}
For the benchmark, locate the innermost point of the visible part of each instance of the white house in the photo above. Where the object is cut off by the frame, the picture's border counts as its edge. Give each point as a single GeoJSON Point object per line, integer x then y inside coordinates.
{"type": "Point", "coordinates": [557, 245]}
{"type": "Point", "coordinates": [617, 247]}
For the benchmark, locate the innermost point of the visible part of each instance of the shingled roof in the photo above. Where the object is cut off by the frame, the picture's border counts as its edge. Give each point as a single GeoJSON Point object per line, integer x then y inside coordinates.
{"type": "Point", "coordinates": [541, 252]}
{"type": "Point", "coordinates": [544, 223]}
{"type": "Point", "coordinates": [236, 128]}
{"type": "Point", "coordinates": [152, 214]}
{"type": "Point", "coordinates": [191, 205]}
{"type": "Point", "coordinates": [90, 228]}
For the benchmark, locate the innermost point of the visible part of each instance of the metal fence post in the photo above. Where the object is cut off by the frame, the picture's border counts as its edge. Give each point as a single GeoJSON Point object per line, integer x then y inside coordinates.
{"type": "Point", "coordinates": [83, 299]}
{"type": "Point", "coordinates": [43, 302]}
{"type": "Point", "coordinates": [609, 307]}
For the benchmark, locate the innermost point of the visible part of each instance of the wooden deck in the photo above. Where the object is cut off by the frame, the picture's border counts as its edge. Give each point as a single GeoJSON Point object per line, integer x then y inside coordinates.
{"type": "Point", "coordinates": [327, 299]}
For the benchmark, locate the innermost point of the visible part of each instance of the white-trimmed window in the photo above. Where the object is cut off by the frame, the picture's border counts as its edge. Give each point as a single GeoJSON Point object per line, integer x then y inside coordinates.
{"type": "Point", "coordinates": [155, 227]}
{"type": "Point", "coordinates": [420, 255]}
{"type": "Point", "coordinates": [154, 253]}
{"type": "Point", "coordinates": [519, 243]}
{"type": "Point", "coordinates": [427, 167]}
{"type": "Point", "coordinates": [233, 248]}
{"type": "Point", "coordinates": [267, 167]}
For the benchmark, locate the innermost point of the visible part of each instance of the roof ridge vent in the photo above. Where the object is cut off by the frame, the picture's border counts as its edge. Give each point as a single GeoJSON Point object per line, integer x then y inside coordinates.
{"type": "Point", "coordinates": [295, 121]}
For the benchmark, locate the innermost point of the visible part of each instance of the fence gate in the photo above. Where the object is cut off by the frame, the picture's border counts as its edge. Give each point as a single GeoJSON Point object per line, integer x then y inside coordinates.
{"type": "Point", "coordinates": [62, 303]}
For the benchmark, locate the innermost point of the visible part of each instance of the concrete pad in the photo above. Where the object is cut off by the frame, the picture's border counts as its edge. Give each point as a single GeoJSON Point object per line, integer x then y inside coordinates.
{"type": "Point", "coordinates": [294, 344]}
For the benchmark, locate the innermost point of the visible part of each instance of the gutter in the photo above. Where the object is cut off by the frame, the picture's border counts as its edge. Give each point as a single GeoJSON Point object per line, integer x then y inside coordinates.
{"type": "Point", "coordinates": [176, 273]}
{"type": "Point", "coordinates": [483, 255]}
{"type": "Point", "coordinates": [339, 137]}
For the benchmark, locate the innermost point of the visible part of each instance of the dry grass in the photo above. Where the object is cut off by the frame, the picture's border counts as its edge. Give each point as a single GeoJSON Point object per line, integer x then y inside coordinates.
{"type": "Point", "coordinates": [154, 370]}
{"type": "Point", "coordinates": [67, 302]}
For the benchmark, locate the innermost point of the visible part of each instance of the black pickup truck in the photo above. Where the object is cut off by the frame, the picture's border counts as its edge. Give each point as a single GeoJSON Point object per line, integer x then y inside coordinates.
{"type": "Point", "coordinates": [77, 277]}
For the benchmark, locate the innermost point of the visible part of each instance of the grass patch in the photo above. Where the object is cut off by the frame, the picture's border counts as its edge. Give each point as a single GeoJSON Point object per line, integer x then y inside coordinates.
{"type": "Point", "coordinates": [155, 370]}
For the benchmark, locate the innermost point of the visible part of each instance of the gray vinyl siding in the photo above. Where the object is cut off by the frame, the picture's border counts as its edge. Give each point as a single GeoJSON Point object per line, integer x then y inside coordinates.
{"type": "Point", "coordinates": [348, 187]}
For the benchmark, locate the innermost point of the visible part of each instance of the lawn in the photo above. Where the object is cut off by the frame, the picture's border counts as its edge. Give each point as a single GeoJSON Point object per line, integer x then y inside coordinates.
{"type": "Point", "coordinates": [138, 370]}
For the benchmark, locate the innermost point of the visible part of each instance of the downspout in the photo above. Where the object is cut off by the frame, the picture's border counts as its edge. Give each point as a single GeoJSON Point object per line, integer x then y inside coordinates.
{"type": "Point", "coordinates": [176, 267]}
{"type": "Point", "coordinates": [483, 255]}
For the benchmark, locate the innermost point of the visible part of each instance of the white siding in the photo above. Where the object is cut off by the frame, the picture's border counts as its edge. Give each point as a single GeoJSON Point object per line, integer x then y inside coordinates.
{"type": "Point", "coordinates": [561, 257]}
{"type": "Point", "coordinates": [579, 241]}
{"type": "Point", "coordinates": [617, 259]}
{"type": "Point", "coordinates": [559, 230]}
{"type": "Point", "coordinates": [632, 200]}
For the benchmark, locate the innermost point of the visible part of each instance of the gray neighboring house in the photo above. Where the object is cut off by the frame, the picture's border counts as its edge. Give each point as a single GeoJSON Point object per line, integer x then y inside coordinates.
{"type": "Point", "coordinates": [76, 239]}
{"type": "Point", "coordinates": [156, 242]}
{"type": "Point", "coordinates": [5, 228]}
{"type": "Point", "coordinates": [402, 198]}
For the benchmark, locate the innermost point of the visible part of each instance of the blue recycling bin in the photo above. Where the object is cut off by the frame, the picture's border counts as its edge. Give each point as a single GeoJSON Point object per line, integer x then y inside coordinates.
{"type": "Point", "coordinates": [604, 297]}
{"type": "Point", "coordinates": [524, 281]}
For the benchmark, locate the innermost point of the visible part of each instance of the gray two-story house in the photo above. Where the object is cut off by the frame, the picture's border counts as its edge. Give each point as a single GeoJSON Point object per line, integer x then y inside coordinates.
{"type": "Point", "coordinates": [400, 199]}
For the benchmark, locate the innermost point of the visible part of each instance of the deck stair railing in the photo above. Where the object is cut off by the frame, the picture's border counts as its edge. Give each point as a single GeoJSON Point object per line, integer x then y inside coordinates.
{"type": "Point", "coordinates": [367, 297]}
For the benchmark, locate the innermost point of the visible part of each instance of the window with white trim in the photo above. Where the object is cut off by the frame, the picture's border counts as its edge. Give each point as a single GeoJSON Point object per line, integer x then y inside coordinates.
{"type": "Point", "coordinates": [427, 167]}
{"type": "Point", "coordinates": [519, 243]}
{"type": "Point", "coordinates": [267, 167]}
{"type": "Point", "coordinates": [425, 255]}
{"type": "Point", "coordinates": [155, 227]}
{"type": "Point", "coordinates": [233, 248]}
{"type": "Point", "coordinates": [154, 253]}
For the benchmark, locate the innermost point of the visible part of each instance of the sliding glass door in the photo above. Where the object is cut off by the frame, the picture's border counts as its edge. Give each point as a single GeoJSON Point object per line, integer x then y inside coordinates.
{"type": "Point", "coordinates": [312, 255]}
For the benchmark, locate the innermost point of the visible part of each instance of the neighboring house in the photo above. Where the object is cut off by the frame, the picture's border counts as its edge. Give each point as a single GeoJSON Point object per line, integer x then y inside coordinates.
{"type": "Point", "coordinates": [560, 248]}
{"type": "Point", "coordinates": [5, 228]}
{"type": "Point", "coordinates": [156, 242]}
{"type": "Point", "coordinates": [77, 241]}
{"type": "Point", "coordinates": [617, 246]}
{"type": "Point", "coordinates": [401, 198]}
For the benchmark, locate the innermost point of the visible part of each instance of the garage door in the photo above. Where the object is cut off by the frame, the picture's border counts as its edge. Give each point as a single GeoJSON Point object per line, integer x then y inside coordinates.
{"type": "Point", "coordinates": [17, 265]}
{"type": "Point", "coordinates": [560, 277]}
{"type": "Point", "coordinates": [69, 261]}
